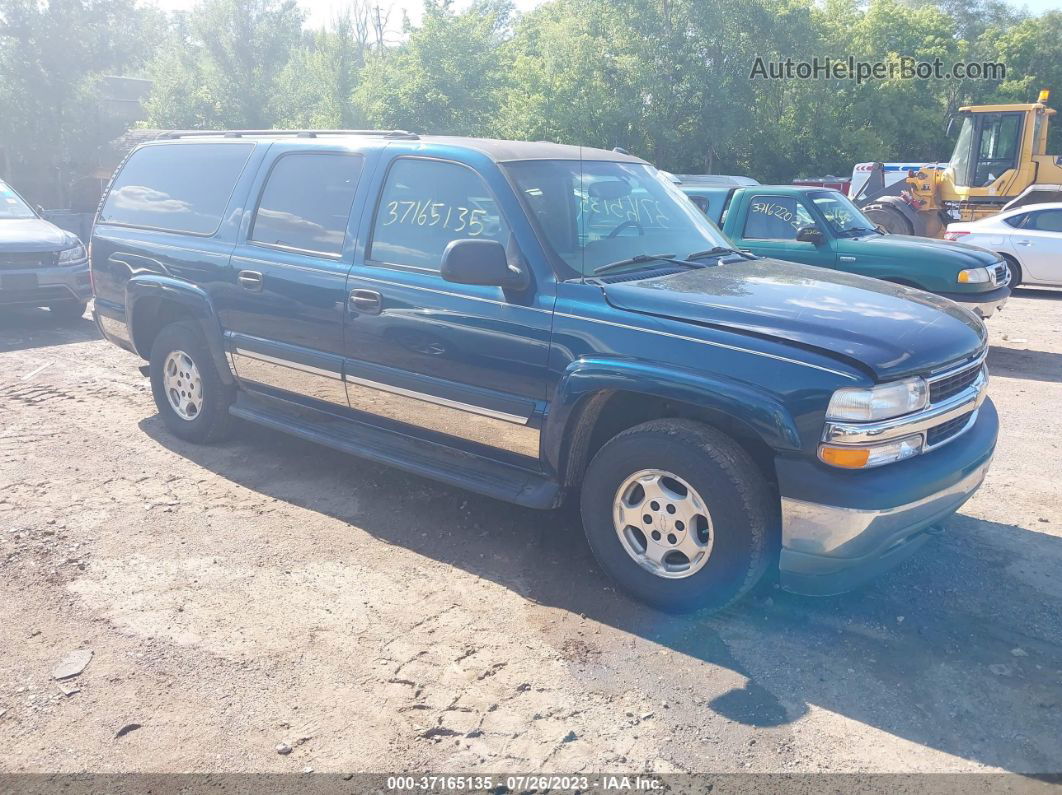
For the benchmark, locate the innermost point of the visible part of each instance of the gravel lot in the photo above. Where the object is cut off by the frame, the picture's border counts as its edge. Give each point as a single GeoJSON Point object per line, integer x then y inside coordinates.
{"type": "Point", "coordinates": [268, 591]}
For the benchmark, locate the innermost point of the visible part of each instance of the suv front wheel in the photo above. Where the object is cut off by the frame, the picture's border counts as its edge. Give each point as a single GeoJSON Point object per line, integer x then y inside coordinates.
{"type": "Point", "coordinates": [678, 515]}
{"type": "Point", "coordinates": [190, 395]}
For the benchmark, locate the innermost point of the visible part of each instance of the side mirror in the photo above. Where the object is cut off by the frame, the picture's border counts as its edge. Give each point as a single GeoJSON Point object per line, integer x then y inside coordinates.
{"type": "Point", "coordinates": [809, 234]}
{"type": "Point", "coordinates": [480, 262]}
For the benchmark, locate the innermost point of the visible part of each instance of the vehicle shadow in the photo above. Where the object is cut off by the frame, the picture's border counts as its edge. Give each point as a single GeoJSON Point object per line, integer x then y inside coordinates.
{"type": "Point", "coordinates": [1028, 364]}
{"type": "Point", "coordinates": [23, 329]}
{"type": "Point", "coordinates": [958, 650]}
{"type": "Point", "coordinates": [1045, 293]}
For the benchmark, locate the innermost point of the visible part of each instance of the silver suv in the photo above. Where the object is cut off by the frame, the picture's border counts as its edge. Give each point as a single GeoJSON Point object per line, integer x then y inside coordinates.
{"type": "Point", "coordinates": [40, 264]}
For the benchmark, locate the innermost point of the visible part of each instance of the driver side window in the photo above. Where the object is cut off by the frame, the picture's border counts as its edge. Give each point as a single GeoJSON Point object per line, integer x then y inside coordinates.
{"type": "Point", "coordinates": [776, 218]}
{"type": "Point", "coordinates": [425, 204]}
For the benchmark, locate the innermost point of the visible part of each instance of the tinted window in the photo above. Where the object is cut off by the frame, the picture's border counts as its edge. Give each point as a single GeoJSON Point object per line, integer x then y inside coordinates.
{"type": "Point", "coordinates": [1046, 221]}
{"type": "Point", "coordinates": [775, 218]}
{"type": "Point", "coordinates": [425, 204]}
{"type": "Point", "coordinates": [306, 202]}
{"type": "Point", "coordinates": [1015, 220]}
{"type": "Point", "coordinates": [179, 188]}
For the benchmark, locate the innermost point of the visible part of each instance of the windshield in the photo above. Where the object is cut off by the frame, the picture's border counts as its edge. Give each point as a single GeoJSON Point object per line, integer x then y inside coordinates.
{"type": "Point", "coordinates": [841, 214]}
{"type": "Point", "coordinates": [12, 206]}
{"type": "Point", "coordinates": [593, 213]}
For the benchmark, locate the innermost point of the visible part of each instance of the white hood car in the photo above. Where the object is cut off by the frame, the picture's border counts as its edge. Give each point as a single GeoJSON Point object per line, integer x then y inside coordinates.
{"type": "Point", "coordinates": [1029, 238]}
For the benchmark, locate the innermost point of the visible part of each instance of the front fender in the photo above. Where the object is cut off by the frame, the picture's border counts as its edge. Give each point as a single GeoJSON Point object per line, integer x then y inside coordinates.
{"type": "Point", "coordinates": [586, 382]}
{"type": "Point", "coordinates": [147, 292]}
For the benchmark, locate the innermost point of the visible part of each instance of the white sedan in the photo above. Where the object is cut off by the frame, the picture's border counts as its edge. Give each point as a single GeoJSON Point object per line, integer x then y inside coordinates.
{"type": "Point", "coordinates": [1029, 238]}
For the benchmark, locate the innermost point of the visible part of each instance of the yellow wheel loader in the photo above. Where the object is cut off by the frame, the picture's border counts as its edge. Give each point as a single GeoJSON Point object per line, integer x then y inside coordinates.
{"type": "Point", "coordinates": [1000, 160]}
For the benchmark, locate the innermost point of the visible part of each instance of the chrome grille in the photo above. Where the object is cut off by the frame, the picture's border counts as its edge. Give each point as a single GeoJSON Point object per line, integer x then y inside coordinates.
{"type": "Point", "coordinates": [26, 260]}
{"type": "Point", "coordinates": [1002, 273]}
{"type": "Point", "coordinates": [950, 385]}
{"type": "Point", "coordinates": [946, 430]}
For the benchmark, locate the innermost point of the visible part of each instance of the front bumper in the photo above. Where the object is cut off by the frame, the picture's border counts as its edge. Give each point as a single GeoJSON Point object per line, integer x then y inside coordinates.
{"type": "Point", "coordinates": [841, 528]}
{"type": "Point", "coordinates": [43, 286]}
{"type": "Point", "coordinates": [984, 305]}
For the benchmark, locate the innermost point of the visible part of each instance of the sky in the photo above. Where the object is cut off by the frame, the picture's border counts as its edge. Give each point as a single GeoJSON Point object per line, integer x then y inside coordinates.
{"type": "Point", "coordinates": [319, 12]}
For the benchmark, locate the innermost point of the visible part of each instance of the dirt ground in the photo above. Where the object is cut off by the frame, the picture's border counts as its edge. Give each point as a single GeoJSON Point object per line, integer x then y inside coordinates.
{"type": "Point", "coordinates": [268, 591]}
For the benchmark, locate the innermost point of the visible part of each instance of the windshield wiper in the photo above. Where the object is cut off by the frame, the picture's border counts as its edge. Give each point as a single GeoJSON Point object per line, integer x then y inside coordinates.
{"type": "Point", "coordinates": [639, 258]}
{"type": "Point", "coordinates": [718, 251]}
{"type": "Point", "coordinates": [857, 232]}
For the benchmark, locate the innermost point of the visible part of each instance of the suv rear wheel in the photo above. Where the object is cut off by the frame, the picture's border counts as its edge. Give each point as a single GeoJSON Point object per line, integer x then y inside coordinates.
{"type": "Point", "coordinates": [678, 515]}
{"type": "Point", "coordinates": [190, 396]}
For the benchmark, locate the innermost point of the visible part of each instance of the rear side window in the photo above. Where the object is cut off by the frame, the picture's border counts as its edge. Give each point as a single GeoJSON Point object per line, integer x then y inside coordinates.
{"type": "Point", "coordinates": [306, 201]}
{"type": "Point", "coordinates": [425, 204]}
{"type": "Point", "coordinates": [177, 188]}
{"type": "Point", "coordinates": [1016, 220]}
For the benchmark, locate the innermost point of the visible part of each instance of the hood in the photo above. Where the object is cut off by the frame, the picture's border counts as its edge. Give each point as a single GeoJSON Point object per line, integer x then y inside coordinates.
{"type": "Point", "coordinates": [938, 252]}
{"type": "Point", "coordinates": [33, 234]}
{"type": "Point", "coordinates": [890, 330]}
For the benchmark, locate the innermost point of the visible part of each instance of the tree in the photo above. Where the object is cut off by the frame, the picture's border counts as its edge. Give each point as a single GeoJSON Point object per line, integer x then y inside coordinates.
{"type": "Point", "coordinates": [446, 78]}
{"type": "Point", "coordinates": [220, 66]}
{"type": "Point", "coordinates": [52, 57]}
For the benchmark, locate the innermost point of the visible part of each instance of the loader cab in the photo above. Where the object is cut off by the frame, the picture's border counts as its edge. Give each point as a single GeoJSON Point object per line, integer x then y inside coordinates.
{"type": "Point", "coordinates": [987, 147]}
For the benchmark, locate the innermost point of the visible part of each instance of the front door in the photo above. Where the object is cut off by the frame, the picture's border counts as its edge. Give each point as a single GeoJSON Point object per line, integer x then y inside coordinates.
{"type": "Point", "coordinates": [463, 364]}
{"type": "Point", "coordinates": [1039, 246]}
{"type": "Point", "coordinates": [771, 228]}
{"type": "Point", "coordinates": [283, 317]}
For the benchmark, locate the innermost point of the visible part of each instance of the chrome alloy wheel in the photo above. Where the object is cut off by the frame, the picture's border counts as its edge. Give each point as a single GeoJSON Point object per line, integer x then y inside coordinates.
{"type": "Point", "coordinates": [663, 524]}
{"type": "Point", "coordinates": [183, 385]}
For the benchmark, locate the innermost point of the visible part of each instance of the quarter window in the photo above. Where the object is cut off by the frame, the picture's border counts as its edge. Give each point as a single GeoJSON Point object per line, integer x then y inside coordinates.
{"type": "Point", "coordinates": [1016, 220]}
{"type": "Point", "coordinates": [306, 201]}
{"type": "Point", "coordinates": [775, 218]}
{"type": "Point", "coordinates": [176, 187]}
{"type": "Point", "coordinates": [426, 204]}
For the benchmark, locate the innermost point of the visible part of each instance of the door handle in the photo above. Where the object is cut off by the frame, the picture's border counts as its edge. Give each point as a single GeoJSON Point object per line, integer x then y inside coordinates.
{"type": "Point", "coordinates": [250, 280]}
{"type": "Point", "coordinates": [368, 301]}
{"type": "Point", "coordinates": [1023, 242]}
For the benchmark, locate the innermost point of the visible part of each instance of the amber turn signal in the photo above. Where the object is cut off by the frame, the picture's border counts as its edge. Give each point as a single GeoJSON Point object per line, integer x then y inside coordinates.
{"type": "Point", "coordinates": [845, 457]}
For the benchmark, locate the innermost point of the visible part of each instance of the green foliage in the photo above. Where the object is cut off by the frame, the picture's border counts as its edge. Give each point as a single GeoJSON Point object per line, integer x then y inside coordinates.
{"type": "Point", "coordinates": [52, 56]}
{"type": "Point", "coordinates": [446, 78]}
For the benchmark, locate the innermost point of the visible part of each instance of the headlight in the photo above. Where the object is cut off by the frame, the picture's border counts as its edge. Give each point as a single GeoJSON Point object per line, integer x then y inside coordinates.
{"type": "Point", "coordinates": [871, 455]}
{"type": "Point", "coordinates": [975, 276]}
{"type": "Point", "coordinates": [72, 255]}
{"type": "Point", "coordinates": [866, 404]}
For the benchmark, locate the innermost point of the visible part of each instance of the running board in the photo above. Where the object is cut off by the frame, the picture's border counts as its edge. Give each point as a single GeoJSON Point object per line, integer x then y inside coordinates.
{"type": "Point", "coordinates": [418, 456]}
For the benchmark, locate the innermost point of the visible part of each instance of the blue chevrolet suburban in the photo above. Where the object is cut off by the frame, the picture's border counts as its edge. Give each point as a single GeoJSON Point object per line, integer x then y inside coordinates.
{"type": "Point", "coordinates": [533, 321]}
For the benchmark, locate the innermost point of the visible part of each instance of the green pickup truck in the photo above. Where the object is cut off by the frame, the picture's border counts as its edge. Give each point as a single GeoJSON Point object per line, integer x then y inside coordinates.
{"type": "Point", "coordinates": [817, 226]}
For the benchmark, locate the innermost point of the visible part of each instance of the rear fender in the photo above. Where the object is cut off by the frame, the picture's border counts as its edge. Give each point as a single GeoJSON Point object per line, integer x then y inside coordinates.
{"type": "Point", "coordinates": [147, 292]}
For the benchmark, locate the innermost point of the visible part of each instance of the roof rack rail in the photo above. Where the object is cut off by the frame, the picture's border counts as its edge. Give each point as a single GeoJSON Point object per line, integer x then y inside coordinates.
{"type": "Point", "coordinates": [404, 134]}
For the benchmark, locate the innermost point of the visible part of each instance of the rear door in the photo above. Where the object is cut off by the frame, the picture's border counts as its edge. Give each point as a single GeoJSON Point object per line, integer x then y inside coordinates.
{"type": "Point", "coordinates": [283, 315]}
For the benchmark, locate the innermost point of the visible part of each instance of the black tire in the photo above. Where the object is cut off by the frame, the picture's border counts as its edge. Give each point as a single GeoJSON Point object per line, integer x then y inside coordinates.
{"type": "Point", "coordinates": [741, 505]}
{"type": "Point", "coordinates": [1015, 270]}
{"type": "Point", "coordinates": [212, 422]}
{"type": "Point", "coordinates": [888, 217]}
{"type": "Point", "coordinates": [68, 311]}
